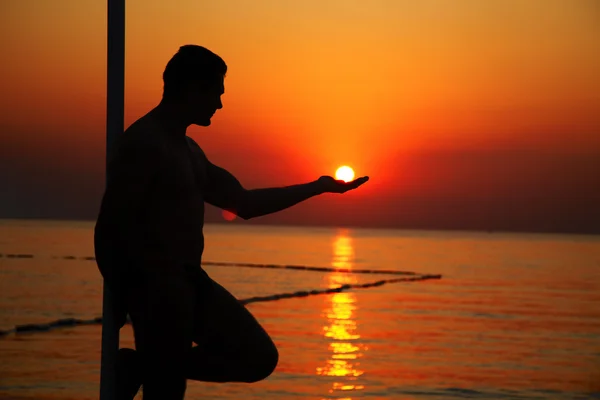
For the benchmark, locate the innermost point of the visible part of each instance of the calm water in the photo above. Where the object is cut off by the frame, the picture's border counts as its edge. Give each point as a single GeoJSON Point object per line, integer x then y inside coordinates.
{"type": "Point", "coordinates": [514, 317]}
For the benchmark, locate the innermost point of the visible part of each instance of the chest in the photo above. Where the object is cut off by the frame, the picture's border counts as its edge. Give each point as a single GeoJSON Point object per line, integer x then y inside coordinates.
{"type": "Point", "coordinates": [183, 172]}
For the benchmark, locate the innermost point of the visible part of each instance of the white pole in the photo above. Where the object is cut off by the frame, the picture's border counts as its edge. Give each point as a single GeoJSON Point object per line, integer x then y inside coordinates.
{"type": "Point", "coordinates": [115, 121]}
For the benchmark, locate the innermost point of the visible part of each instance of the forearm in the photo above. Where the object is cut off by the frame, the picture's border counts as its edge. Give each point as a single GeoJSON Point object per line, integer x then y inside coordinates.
{"type": "Point", "coordinates": [259, 202]}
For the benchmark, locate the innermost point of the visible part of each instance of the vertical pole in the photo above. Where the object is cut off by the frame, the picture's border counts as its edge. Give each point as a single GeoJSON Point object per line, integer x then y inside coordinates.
{"type": "Point", "coordinates": [115, 121]}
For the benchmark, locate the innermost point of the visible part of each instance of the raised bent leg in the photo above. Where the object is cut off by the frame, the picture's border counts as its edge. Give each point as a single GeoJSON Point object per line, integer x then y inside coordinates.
{"type": "Point", "coordinates": [232, 345]}
{"type": "Point", "coordinates": [162, 313]}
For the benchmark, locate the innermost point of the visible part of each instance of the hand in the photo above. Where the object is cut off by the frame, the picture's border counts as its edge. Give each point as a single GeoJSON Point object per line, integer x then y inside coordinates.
{"type": "Point", "coordinates": [327, 184]}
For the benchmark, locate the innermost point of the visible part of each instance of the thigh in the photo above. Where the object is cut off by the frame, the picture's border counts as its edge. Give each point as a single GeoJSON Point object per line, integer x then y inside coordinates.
{"type": "Point", "coordinates": [225, 325]}
{"type": "Point", "coordinates": [162, 308]}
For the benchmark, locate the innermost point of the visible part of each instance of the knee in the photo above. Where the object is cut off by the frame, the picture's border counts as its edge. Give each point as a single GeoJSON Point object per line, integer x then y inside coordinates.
{"type": "Point", "coordinates": [265, 364]}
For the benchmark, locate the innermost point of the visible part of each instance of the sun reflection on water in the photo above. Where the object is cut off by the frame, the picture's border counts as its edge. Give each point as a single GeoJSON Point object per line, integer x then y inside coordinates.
{"type": "Point", "coordinates": [341, 329]}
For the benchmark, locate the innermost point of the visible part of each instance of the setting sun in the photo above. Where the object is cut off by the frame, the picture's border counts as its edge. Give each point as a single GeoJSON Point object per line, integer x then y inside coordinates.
{"type": "Point", "coordinates": [344, 173]}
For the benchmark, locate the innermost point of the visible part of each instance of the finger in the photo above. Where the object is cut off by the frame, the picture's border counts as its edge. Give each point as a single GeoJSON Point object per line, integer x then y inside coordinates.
{"type": "Point", "coordinates": [351, 186]}
{"type": "Point", "coordinates": [345, 186]}
{"type": "Point", "coordinates": [359, 181]}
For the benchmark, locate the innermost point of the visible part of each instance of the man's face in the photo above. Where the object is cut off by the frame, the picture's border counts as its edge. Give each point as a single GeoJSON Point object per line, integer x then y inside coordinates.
{"type": "Point", "coordinates": [204, 101]}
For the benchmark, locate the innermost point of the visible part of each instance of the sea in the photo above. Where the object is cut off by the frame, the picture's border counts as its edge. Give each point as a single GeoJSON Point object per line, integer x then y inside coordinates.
{"type": "Point", "coordinates": [510, 316]}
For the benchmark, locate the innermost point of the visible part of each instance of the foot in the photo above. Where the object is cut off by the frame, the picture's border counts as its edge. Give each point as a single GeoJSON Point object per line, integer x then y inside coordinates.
{"type": "Point", "coordinates": [129, 377]}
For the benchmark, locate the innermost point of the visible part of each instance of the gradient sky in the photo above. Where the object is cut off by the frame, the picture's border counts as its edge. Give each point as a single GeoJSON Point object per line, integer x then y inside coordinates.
{"type": "Point", "coordinates": [466, 115]}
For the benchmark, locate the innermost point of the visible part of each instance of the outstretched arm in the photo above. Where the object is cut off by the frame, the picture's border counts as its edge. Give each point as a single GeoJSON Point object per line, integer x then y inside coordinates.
{"type": "Point", "coordinates": [226, 192]}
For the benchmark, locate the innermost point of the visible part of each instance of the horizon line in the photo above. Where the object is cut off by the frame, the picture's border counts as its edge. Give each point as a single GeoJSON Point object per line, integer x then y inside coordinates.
{"type": "Point", "coordinates": [349, 226]}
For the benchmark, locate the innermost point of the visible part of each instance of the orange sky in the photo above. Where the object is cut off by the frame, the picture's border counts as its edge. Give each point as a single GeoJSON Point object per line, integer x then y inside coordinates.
{"type": "Point", "coordinates": [437, 100]}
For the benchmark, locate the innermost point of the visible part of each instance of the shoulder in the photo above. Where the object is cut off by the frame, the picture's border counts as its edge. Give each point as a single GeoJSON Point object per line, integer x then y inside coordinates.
{"type": "Point", "coordinates": [144, 132]}
{"type": "Point", "coordinates": [139, 141]}
{"type": "Point", "coordinates": [195, 148]}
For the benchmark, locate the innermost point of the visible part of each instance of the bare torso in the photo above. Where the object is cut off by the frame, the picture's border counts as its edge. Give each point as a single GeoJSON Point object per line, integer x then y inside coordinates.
{"type": "Point", "coordinates": [165, 230]}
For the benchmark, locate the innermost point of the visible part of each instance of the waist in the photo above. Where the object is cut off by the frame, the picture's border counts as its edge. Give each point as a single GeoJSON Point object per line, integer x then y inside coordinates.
{"type": "Point", "coordinates": [147, 253]}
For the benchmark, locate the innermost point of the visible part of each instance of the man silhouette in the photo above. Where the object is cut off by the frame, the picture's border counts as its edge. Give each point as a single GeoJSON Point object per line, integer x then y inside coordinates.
{"type": "Point", "coordinates": [149, 242]}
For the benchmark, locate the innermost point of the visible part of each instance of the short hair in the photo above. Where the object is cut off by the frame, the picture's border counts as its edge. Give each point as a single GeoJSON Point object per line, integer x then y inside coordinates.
{"type": "Point", "coordinates": [191, 64]}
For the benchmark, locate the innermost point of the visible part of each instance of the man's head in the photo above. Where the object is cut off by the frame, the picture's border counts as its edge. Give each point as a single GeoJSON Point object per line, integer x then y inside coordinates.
{"type": "Point", "coordinates": [194, 81]}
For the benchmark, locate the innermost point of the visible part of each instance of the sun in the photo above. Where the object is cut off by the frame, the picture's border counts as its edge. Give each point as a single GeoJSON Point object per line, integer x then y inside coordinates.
{"type": "Point", "coordinates": [344, 173]}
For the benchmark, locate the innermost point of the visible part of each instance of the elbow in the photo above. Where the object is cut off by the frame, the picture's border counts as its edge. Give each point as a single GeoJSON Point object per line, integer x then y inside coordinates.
{"type": "Point", "coordinates": [244, 208]}
{"type": "Point", "coordinates": [239, 212]}
{"type": "Point", "coordinates": [243, 214]}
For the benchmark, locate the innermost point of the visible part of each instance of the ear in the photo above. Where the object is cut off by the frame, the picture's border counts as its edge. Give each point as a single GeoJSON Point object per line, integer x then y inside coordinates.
{"type": "Point", "coordinates": [190, 93]}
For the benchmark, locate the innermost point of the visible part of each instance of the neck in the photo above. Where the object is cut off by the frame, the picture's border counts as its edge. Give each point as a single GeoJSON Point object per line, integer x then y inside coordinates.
{"type": "Point", "coordinates": [171, 118]}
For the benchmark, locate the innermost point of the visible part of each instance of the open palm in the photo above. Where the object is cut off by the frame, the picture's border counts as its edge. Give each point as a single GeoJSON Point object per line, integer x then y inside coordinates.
{"type": "Point", "coordinates": [329, 184]}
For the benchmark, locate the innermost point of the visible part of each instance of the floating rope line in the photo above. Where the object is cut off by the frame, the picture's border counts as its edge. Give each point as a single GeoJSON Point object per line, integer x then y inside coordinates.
{"type": "Point", "coordinates": [253, 265]}
{"type": "Point", "coordinates": [308, 268]}
{"type": "Point", "coordinates": [68, 322]}
{"type": "Point", "coordinates": [337, 289]}
{"type": "Point", "coordinates": [16, 255]}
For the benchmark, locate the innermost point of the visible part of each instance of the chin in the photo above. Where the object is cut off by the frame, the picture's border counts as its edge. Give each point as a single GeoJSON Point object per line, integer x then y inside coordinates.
{"type": "Point", "coordinates": [203, 122]}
